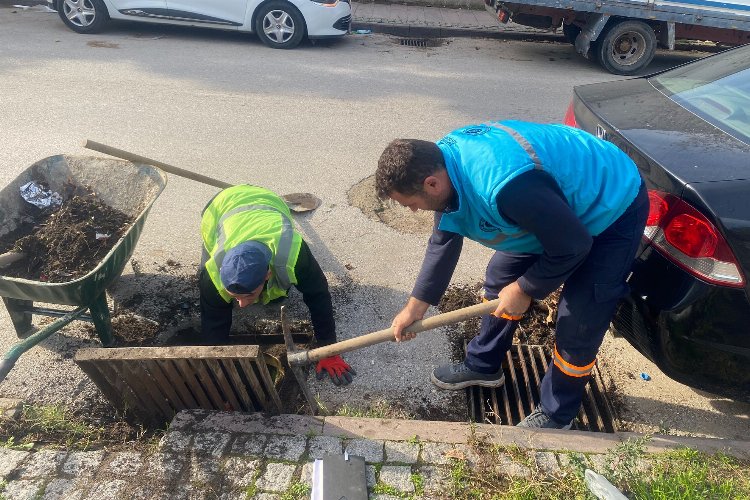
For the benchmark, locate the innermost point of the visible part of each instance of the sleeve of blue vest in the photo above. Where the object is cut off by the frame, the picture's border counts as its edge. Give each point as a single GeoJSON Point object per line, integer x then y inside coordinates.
{"type": "Point", "coordinates": [534, 201]}
{"type": "Point", "coordinates": [440, 259]}
{"type": "Point", "coordinates": [312, 283]}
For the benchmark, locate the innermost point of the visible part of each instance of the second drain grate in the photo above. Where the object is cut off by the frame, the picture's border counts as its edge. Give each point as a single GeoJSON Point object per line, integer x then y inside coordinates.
{"type": "Point", "coordinates": [524, 368]}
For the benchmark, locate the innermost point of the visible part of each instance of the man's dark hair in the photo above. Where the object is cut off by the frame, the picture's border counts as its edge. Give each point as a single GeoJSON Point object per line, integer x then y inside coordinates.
{"type": "Point", "coordinates": [405, 164]}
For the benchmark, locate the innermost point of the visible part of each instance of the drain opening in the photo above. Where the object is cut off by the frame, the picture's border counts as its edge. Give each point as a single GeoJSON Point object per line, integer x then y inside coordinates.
{"type": "Point", "coordinates": [524, 368]}
{"type": "Point", "coordinates": [420, 42]}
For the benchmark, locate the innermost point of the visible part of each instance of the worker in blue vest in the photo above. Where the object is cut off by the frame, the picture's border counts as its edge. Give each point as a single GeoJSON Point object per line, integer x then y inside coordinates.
{"type": "Point", "coordinates": [558, 206]}
{"type": "Point", "coordinates": [252, 253]}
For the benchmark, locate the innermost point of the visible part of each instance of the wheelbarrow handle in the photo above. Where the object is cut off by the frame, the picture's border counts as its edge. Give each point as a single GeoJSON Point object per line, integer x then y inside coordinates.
{"type": "Point", "coordinates": [181, 172]}
{"type": "Point", "coordinates": [449, 318]}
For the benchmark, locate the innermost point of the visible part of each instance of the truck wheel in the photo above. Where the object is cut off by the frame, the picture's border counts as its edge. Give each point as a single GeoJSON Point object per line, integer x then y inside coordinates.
{"type": "Point", "coordinates": [626, 47]}
{"type": "Point", "coordinates": [83, 16]}
{"type": "Point", "coordinates": [279, 25]}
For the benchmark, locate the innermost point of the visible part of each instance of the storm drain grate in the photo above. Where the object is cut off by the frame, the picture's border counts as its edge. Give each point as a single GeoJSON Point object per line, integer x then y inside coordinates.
{"type": "Point", "coordinates": [420, 42]}
{"type": "Point", "coordinates": [524, 369]}
{"type": "Point", "coordinates": [154, 383]}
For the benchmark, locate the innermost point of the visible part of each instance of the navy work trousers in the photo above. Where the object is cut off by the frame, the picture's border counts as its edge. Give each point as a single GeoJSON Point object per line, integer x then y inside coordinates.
{"type": "Point", "coordinates": [587, 303]}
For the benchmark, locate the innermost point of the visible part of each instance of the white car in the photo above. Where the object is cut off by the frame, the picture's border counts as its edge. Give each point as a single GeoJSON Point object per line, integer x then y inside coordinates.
{"type": "Point", "coordinates": [280, 24]}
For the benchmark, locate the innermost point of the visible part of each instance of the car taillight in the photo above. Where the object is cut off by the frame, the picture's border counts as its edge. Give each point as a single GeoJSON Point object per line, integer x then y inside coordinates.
{"type": "Point", "coordinates": [570, 117]}
{"type": "Point", "coordinates": [686, 237]}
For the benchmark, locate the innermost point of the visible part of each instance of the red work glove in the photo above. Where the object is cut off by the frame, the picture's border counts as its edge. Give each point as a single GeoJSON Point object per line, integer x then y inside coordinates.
{"type": "Point", "coordinates": [338, 369]}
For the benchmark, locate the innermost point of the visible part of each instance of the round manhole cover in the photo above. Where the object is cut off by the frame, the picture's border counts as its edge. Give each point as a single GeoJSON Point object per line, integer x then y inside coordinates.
{"type": "Point", "coordinates": [362, 195]}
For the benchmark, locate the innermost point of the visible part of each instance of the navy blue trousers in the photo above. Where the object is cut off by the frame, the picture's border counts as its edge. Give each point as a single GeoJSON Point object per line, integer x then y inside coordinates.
{"type": "Point", "coordinates": [587, 303]}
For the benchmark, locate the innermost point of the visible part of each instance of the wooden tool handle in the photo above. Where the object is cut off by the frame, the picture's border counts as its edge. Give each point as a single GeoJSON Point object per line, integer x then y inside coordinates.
{"type": "Point", "coordinates": [449, 318]}
{"type": "Point", "coordinates": [181, 172]}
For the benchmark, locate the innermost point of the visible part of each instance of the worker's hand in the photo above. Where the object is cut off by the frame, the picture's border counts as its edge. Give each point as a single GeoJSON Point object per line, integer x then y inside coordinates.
{"type": "Point", "coordinates": [413, 311]}
{"type": "Point", "coordinates": [336, 368]}
{"type": "Point", "coordinates": [513, 302]}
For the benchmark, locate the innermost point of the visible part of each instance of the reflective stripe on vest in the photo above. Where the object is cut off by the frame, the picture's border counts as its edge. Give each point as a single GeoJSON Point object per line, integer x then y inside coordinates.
{"type": "Point", "coordinates": [282, 254]}
{"type": "Point", "coordinates": [521, 142]}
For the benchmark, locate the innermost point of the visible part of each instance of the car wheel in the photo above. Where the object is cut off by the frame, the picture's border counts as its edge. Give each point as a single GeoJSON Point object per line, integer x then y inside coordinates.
{"type": "Point", "coordinates": [280, 25]}
{"type": "Point", "coordinates": [83, 16]}
{"type": "Point", "coordinates": [626, 47]}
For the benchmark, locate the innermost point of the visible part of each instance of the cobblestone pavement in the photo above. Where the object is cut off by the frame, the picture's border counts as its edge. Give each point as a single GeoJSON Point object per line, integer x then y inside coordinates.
{"type": "Point", "coordinates": [238, 455]}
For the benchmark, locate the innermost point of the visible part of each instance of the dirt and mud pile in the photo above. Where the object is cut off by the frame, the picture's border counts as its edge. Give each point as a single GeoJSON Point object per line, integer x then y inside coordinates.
{"type": "Point", "coordinates": [67, 243]}
{"type": "Point", "coordinates": [537, 326]}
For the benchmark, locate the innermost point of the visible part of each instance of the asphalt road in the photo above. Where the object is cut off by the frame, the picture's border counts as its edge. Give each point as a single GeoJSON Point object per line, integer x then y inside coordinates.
{"type": "Point", "coordinates": [313, 119]}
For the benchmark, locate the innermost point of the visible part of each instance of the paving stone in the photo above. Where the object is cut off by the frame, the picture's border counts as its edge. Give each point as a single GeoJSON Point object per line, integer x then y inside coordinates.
{"type": "Point", "coordinates": [186, 419]}
{"type": "Point", "coordinates": [266, 496]}
{"type": "Point", "coordinates": [277, 477]}
{"type": "Point", "coordinates": [372, 451]}
{"type": "Point", "coordinates": [435, 453]}
{"type": "Point", "coordinates": [83, 463]}
{"type": "Point", "coordinates": [107, 490]}
{"type": "Point", "coordinates": [211, 443]}
{"type": "Point", "coordinates": [435, 479]}
{"type": "Point", "coordinates": [175, 442]}
{"type": "Point", "coordinates": [249, 445]}
{"type": "Point", "coordinates": [598, 462]}
{"type": "Point", "coordinates": [320, 446]}
{"type": "Point", "coordinates": [509, 467]}
{"type": "Point", "coordinates": [68, 489]}
{"type": "Point", "coordinates": [148, 492]}
{"type": "Point", "coordinates": [306, 474]}
{"type": "Point", "coordinates": [371, 475]}
{"type": "Point", "coordinates": [571, 460]}
{"type": "Point", "coordinates": [239, 472]}
{"type": "Point", "coordinates": [164, 466]}
{"type": "Point", "coordinates": [203, 469]}
{"type": "Point", "coordinates": [546, 462]}
{"type": "Point", "coordinates": [23, 489]}
{"type": "Point", "coordinates": [464, 452]}
{"type": "Point", "coordinates": [9, 460]}
{"type": "Point", "coordinates": [288, 448]}
{"type": "Point", "coordinates": [401, 452]}
{"type": "Point", "coordinates": [398, 477]}
{"type": "Point", "coordinates": [43, 463]}
{"type": "Point", "coordinates": [124, 464]}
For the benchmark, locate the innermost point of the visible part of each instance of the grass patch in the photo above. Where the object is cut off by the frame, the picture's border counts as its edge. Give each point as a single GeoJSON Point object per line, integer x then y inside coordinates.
{"type": "Point", "coordinates": [296, 491]}
{"type": "Point", "coordinates": [377, 409]}
{"type": "Point", "coordinates": [56, 425]}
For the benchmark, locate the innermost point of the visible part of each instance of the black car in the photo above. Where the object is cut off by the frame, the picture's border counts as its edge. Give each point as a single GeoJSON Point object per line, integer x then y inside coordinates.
{"type": "Point", "coordinates": [688, 130]}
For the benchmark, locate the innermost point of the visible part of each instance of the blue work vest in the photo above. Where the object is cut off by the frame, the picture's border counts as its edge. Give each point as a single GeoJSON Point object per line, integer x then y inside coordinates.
{"type": "Point", "coordinates": [598, 180]}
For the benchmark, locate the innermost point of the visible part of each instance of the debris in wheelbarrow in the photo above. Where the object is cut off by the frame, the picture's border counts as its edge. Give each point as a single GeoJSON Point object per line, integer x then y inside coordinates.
{"type": "Point", "coordinates": [68, 242]}
{"type": "Point", "coordinates": [124, 186]}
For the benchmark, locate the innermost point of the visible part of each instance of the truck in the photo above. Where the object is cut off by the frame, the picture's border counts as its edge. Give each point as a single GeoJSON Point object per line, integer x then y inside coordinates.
{"type": "Point", "coordinates": [622, 35]}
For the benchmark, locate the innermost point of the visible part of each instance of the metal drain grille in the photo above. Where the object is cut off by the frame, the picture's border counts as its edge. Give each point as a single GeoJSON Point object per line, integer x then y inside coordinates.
{"type": "Point", "coordinates": [421, 42]}
{"type": "Point", "coordinates": [524, 369]}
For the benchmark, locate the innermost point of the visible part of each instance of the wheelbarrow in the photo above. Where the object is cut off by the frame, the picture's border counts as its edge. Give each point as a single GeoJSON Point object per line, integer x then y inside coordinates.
{"type": "Point", "coordinates": [128, 187]}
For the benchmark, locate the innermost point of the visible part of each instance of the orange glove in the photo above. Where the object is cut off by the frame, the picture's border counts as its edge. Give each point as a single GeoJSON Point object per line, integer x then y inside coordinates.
{"type": "Point", "coordinates": [338, 369]}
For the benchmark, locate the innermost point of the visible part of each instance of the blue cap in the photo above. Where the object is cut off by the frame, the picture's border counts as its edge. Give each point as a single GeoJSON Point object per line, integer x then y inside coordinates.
{"type": "Point", "coordinates": [245, 267]}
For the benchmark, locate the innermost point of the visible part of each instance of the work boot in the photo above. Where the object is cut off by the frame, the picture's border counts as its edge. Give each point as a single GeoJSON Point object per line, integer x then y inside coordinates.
{"type": "Point", "coordinates": [537, 419]}
{"type": "Point", "coordinates": [458, 376]}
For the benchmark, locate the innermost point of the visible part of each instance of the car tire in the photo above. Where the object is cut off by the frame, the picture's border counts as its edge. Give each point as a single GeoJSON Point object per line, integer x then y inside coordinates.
{"type": "Point", "coordinates": [83, 16]}
{"type": "Point", "coordinates": [626, 47]}
{"type": "Point", "coordinates": [280, 25]}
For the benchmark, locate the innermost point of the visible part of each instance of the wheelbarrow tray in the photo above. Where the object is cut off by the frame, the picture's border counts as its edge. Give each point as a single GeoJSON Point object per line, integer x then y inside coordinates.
{"type": "Point", "coordinates": [125, 186]}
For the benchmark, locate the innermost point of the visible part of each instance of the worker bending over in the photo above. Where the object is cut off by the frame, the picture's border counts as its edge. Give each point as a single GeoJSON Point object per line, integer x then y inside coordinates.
{"type": "Point", "coordinates": [559, 206]}
{"type": "Point", "coordinates": [252, 253]}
